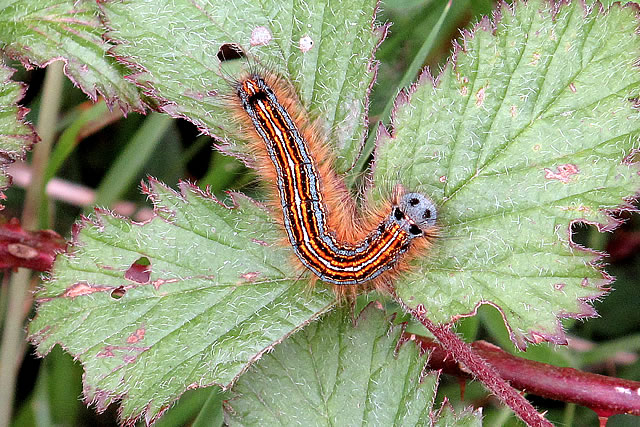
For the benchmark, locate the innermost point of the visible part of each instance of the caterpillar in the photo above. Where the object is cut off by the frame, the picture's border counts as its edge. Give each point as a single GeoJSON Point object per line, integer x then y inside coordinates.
{"type": "Point", "coordinates": [319, 216]}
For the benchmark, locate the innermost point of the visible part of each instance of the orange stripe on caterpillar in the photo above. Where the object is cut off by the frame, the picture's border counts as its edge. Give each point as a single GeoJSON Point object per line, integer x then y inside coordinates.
{"type": "Point", "coordinates": [318, 214]}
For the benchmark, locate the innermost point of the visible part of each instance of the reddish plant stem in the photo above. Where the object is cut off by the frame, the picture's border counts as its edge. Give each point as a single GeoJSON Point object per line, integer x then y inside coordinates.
{"type": "Point", "coordinates": [605, 395]}
{"type": "Point", "coordinates": [482, 370]}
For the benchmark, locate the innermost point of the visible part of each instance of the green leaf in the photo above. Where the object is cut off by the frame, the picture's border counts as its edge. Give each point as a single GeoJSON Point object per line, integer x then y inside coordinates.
{"type": "Point", "coordinates": [16, 136]}
{"type": "Point", "coordinates": [186, 300]}
{"type": "Point", "coordinates": [446, 416]}
{"type": "Point", "coordinates": [530, 128]}
{"type": "Point", "coordinates": [337, 373]}
{"type": "Point", "coordinates": [177, 42]}
{"type": "Point", "coordinates": [42, 31]}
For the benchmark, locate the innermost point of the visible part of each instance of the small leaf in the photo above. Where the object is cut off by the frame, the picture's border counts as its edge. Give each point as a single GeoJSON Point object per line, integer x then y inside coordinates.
{"type": "Point", "coordinates": [446, 417]}
{"type": "Point", "coordinates": [16, 136]}
{"type": "Point", "coordinates": [324, 47]}
{"type": "Point", "coordinates": [527, 130]}
{"type": "Point", "coordinates": [336, 373]}
{"type": "Point", "coordinates": [42, 31]}
{"type": "Point", "coordinates": [186, 300]}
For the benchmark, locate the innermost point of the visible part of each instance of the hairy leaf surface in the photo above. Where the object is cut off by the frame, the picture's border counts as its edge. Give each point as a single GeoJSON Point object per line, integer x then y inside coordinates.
{"type": "Point", "coordinates": [324, 47]}
{"type": "Point", "coordinates": [531, 127]}
{"type": "Point", "coordinates": [186, 300]}
{"type": "Point", "coordinates": [337, 373]}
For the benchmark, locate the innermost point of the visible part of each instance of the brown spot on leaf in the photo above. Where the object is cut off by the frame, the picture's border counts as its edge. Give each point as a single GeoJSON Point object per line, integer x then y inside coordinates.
{"type": "Point", "coordinates": [443, 179]}
{"type": "Point", "coordinates": [578, 208]}
{"type": "Point", "coordinates": [480, 96]}
{"type": "Point", "coordinates": [572, 87]}
{"type": "Point", "coordinates": [250, 276]}
{"type": "Point", "coordinates": [535, 59]}
{"type": "Point", "coordinates": [260, 242]}
{"type": "Point", "coordinates": [562, 173]}
{"type": "Point", "coordinates": [462, 79]}
{"type": "Point", "coordinates": [559, 286]}
{"type": "Point", "coordinates": [537, 338]}
{"type": "Point", "coordinates": [157, 283]}
{"type": "Point", "coordinates": [128, 359]}
{"type": "Point", "coordinates": [199, 96]}
{"type": "Point", "coordinates": [83, 288]}
{"type": "Point", "coordinates": [138, 335]}
{"type": "Point", "coordinates": [107, 351]}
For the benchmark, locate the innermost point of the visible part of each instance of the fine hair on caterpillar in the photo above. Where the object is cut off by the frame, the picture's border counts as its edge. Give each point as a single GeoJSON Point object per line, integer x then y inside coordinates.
{"type": "Point", "coordinates": [347, 247]}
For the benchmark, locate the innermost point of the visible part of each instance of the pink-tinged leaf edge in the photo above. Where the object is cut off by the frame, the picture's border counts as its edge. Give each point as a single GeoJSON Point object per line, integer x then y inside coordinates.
{"type": "Point", "coordinates": [27, 139]}
{"type": "Point", "coordinates": [101, 399]}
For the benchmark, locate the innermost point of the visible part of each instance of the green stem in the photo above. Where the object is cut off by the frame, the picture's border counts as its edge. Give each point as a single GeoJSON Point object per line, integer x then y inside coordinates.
{"type": "Point", "coordinates": [13, 336]}
{"type": "Point", "coordinates": [569, 414]}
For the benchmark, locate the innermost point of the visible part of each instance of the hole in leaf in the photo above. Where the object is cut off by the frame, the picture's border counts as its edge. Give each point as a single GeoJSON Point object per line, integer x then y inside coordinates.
{"type": "Point", "coordinates": [118, 292]}
{"type": "Point", "coordinates": [230, 51]}
{"type": "Point", "coordinates": [140, 270]}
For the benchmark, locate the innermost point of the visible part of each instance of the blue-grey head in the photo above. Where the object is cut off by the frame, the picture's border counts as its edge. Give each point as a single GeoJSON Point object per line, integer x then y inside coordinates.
{"type": "Point", "coordinates": [416, 213]}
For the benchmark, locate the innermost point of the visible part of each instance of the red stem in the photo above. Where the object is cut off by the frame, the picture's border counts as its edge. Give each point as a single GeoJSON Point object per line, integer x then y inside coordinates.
{"type": "Point", "coordinates": [605, 395]}
{"type": "Point", "coordinates": [482, 370]}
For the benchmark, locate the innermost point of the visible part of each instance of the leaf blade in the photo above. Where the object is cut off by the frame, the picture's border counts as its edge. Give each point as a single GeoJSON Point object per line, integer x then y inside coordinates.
{"type": "Point", "coordinates": [333, 75]}
{"type": "Point", "coordinates": [337, 373]}
{"type": "Point", "coordinates": [221, 308]}
{"type": "Point", "coordinates": [510, 175]}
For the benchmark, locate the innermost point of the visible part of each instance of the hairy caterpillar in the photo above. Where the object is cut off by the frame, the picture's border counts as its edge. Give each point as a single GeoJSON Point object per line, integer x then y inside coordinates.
{"type": "Point", "coordinates": [318, 214]}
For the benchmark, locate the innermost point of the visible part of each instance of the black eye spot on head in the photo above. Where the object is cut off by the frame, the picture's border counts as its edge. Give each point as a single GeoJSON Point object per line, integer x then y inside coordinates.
{"type": "Point", "coordinates": [398, 214]}
{"type": "Point", "coordinates": [415, 230]}
{"type": "Point", "coordinates": [419, 210]}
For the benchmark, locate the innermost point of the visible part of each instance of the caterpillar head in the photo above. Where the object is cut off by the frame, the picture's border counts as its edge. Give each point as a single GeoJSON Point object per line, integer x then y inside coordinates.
{"type": "Point", "coordinates": [416, 212]}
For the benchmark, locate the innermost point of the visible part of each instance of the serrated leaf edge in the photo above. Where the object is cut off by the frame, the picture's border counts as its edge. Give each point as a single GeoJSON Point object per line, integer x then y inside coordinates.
{"type": "Point", "coordinates": [6, 158]}
{"type": "Point", "coordinates": [385, 135]}
{"type": "Point", "coordinates": [99, 397]}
